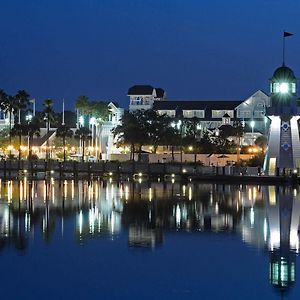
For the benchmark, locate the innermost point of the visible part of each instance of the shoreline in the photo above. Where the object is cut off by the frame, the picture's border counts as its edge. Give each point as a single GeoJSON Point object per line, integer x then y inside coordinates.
{"type": "Point", "coordinates": [137, 171]}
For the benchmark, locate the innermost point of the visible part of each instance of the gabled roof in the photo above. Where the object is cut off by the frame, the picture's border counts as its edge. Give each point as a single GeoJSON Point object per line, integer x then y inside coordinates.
{"type": "Point", "coordinates": [226, 116]}
{"type": "Point", "coordinates": [141, 90]}
{"type": "Point", "coordinates": [196, 105]}
{"type": "Point", "coordinates": [159, 92]}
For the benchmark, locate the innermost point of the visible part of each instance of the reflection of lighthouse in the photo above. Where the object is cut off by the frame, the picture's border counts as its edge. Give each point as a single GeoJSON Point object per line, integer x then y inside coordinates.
{"type": "Point", "coordinates": [283, 212]}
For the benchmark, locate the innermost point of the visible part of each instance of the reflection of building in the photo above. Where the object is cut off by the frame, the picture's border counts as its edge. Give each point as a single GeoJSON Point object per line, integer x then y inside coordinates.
{"type": "Point", "coordinates": [283, 215]}
{"type": "Point", "coordinates": [141, 236]}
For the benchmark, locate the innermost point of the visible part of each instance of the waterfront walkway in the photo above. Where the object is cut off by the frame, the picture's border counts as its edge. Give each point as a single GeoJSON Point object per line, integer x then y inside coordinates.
{"type": "Point", "coordinates": [40, 169]}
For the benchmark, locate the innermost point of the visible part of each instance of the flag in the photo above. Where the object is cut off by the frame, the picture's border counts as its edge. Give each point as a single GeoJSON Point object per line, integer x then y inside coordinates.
{"type": "Point", "coordinates": [286, 34]}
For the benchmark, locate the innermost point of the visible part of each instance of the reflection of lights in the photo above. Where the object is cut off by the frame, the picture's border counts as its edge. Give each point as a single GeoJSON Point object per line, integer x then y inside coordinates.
{"type": "Point", "coordinates": [190, 193]}
{"type": "Point", "coordinates": [217, 208]}
{"type": "Point", "coordinates": [65, 188]}
{"type": "Point", "coordinates": [274, 239]}
{"type": "Point", "coordinates": [73, 192]}
{"type": "Point", "coordinates": [173, 180]}
{"type": "Point", "coordinates": [126, 192]}
{"type": "Point", "coordinates": [294, 240]}
{"type": "Point", "coordinates": [150, 194]}
{"type": "Point", "coordinates": [252, 217]}
{"type": "Point", "coordinates": [183, 190]}
{"type": "Point", "coordinates": [9, 191]}
{"type": "Point", "coordinates": [80, 222]}
{"type": "Point", "coordinates": [265, 230]}
{"type": "Point", "coordinates": [21, 190]}
{"type": "Point", "coordinates": [27, 221]}
{"type": "Point", "coordinates": [178, 216]}
{"type": "Point", "coordinates": [121, 192]}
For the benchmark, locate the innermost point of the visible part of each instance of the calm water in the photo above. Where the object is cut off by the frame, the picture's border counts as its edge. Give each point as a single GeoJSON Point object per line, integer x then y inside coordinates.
{"type": "Point", "coordinates": [108, 240]}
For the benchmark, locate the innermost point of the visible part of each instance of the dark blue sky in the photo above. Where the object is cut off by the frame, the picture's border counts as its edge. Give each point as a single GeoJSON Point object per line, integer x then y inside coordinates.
{"type": "Point", "coordinates": [211, 49]}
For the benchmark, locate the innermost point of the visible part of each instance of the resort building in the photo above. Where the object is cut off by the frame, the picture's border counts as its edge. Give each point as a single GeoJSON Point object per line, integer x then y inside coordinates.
{"type": "Point", "coordinates": [144, 96]}
{"type": "Point", "coordinates": [211, 113]}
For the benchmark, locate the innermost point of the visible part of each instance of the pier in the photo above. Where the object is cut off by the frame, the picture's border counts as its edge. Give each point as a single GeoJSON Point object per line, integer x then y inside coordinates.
{"type": "Point", "coordinates": [41, 169]}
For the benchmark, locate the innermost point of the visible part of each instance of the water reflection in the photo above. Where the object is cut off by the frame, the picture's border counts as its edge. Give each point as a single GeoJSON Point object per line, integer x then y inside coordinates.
{"type": "Point", "coordinates": [264, 217]}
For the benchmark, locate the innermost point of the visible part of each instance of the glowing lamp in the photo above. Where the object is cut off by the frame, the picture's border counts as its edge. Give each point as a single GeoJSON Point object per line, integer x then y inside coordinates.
{"type": "Point", "coordinates": [283, 87]}
{"type": "Point", "coordinates": [92, 120]}
{"type": "Point", "coordinates": [81, 120]}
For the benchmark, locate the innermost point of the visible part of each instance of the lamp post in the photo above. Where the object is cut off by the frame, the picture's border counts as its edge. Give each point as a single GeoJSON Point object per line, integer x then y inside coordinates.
{"type": "Point", "coordinates": [179, 127]}
{"type": "Point", "coordinates": [92, 123]}
{"type": "Point", "coordinates": [28, 119]}
{"type": "Point", "coordinates": [252, 124]}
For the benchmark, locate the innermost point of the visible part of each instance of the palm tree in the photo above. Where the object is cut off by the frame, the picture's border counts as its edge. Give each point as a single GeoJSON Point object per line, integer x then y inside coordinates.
{"type": "Point", "coordinates": [8, 105]}
{"type": "Point", "coordinates": [83, 134]}
{"type": "Point", "coordinates": [22, 102]}
{"type": "Point", "coordinates": [19, 130]}
{"type": "Point", "coordinates": [82, 104]}
{"type": "Point", "coordinates": [32, 129]}
{"type": "Point", "coordinates": [64, 132]}
{"type": "Point", "coordinates": [48, 115]}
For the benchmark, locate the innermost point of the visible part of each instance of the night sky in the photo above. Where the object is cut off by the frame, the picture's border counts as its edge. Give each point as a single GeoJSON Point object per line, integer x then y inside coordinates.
{"type": "Point", "coordinates": [194, 49]}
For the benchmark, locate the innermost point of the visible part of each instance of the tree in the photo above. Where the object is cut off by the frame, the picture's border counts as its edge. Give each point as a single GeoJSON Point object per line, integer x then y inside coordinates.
{"type": "Point", "coordinates": [64, 132]}
{"type": "Point", "coordinates": [155, 127]}
{"type": "Point", "coordinates": [171, 138]}
{"type": "Point", "coordinates": [206, 143]}
{"type": "Point", "coordinates": [48, 115]}
{"type": "Point", "coordinates": [82, 104]}
{"type": "Point", "coordinates": [261, 142]}
{"type": "Point", "coordinates": [132, 131]}
{"type": "Point", "coordinates": [83, 134]}
{"type": "Point", "coordinates": [32, 129]}
{"type": "Point", "coordinates": [22, 102]}
{"type": "Point", "coordinates": [8, 104]}
{"type": "Point", "coordinates": [19, 130]}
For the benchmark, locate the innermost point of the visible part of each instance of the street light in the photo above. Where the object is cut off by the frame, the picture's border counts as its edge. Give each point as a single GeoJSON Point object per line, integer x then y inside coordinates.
{"type": "Point", "coordinates": [92, 123]}
{"type": "Point", "coordinates": [81, 121]}
{"type": "Point", "coordinates": [252, 124]}
{"type": "Point", "coordinates": [28, 118]}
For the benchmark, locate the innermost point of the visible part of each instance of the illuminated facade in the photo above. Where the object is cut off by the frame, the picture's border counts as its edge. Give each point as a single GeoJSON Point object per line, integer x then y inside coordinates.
{"type": "Point", "coordinates": [283, 149]}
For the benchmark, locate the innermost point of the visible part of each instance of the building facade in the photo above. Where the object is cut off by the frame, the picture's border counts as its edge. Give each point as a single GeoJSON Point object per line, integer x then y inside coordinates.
{"type": "Point", "coordinates": [144, 96]}
{"type": "Point", "coordinates": [211, 114]}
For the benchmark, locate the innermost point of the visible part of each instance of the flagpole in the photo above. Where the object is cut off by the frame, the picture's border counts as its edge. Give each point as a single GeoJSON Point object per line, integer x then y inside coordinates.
{"type": "Point", "coordinates": [283, 49]}
{"type": "Point", "coordinates": [63, 113]}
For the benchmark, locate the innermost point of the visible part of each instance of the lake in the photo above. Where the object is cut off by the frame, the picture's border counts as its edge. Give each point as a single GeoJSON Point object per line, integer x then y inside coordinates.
{"type": "Point", "coordinates": [148, 240]}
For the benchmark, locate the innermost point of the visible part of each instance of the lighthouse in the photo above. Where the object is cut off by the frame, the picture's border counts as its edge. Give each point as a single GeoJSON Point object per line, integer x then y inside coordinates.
{"type": "Point", "coordinates": [283, 150]}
